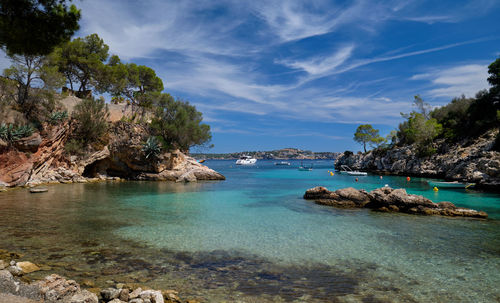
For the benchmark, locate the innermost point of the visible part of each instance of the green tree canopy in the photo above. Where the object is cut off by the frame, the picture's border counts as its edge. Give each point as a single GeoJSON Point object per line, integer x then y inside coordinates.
{"type": "Point", "coordinates": [131, 82]}
{"type": "Point", "coordinates": [494, 71]}
{"type": "Point", "coordinates": [178, 124]}
{"type": "Point", "coordinates": [366, 134]}
{"type": "Point", "coordinates": [421, 131]}
{"type": "Point", "coordinates": [35, 27]}
{"type": "Point", "coordinates": [82, 61]}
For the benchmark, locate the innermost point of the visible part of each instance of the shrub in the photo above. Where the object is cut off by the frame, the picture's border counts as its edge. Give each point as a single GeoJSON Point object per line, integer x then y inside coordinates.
{"type": "Point", "coordinates": [74, 147]}
{"type": "Point", "coordinates": [92, 118]}
{"type": "Point", "coordinates": [151, 148]}
{"type": "Point", "coordinates": [348, 153]}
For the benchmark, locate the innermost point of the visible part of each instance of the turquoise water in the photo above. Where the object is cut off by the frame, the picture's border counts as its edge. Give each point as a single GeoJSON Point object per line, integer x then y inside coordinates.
{"type": "Point", "coordinates": [253, 238]}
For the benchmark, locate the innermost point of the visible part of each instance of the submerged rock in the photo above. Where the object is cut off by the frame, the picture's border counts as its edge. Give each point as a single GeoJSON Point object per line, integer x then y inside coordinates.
{"type": "Point", "coordinates": [388, 199]}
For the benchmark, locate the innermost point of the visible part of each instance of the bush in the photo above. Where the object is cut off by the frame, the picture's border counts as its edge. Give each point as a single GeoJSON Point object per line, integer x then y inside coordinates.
{"type": "Point", "coordinates": [74, 147]}
{"type": "Point", "coordinates": [92, 118]}
{"type": "Point", "coordinates": [348, 153]}
{"type": "Point", "coordinates": [151, 148]}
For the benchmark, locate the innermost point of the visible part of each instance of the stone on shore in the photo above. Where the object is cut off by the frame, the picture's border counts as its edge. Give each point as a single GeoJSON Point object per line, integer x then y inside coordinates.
{"type": "Point", "coordinates": [27, 267]}
{"type": "Point", "coordinates": [387, 199]}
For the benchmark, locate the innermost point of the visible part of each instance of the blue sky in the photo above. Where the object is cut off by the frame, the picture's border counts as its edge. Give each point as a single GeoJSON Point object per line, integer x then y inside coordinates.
{"type": "Point", "coordinates": [274, 74]}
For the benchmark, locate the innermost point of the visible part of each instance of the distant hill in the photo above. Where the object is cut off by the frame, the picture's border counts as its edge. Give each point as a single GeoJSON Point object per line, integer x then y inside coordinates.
{"type": "Point", "coordinates": [281, 154]}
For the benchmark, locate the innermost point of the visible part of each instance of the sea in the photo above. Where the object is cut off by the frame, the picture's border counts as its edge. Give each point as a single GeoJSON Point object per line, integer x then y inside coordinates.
{"type": "Point", "coordinates": [253, 238]}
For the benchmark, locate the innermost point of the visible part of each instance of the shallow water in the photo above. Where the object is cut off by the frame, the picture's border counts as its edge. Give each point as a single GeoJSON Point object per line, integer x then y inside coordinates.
{"type": "Point", "coordinates": [252, 238]}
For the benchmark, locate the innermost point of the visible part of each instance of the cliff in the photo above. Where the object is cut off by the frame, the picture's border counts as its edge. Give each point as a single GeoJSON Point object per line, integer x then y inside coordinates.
{"type": "Point", "coordinates": [472, 160]}
{"type": "Point", "coordinates": [41, 158]}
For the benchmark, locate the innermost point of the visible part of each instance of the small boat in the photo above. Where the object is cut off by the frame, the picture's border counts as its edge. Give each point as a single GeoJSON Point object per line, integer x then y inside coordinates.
{"type": "Point", "coordinates": [36, 190]}
{"type": "Point", "coordinates": [201, 161]}
{"type": "Point", "coordinates": [346, 170]}
{"type": "Point", "coordinates": [282, 163]}
{"type": "Point", "coordinates": [453, 184]}
{"type": "Point", "coordinates": [303, 167]}
{"type": "Point", "coordinates": [246, 160]}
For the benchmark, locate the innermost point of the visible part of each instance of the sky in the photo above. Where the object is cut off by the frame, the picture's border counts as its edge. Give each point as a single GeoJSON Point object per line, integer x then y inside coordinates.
{"type": "Point", "coordinates": [299, 73]}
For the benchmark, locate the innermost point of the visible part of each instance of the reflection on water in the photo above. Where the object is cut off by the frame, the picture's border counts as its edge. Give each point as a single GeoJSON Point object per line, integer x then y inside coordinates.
{"type": "Point", "coordinates": [252, 238]}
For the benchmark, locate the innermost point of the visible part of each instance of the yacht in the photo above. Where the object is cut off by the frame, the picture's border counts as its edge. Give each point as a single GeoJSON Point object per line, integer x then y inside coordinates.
{"type": "Point", "coordinates": [246, 160]}
{"type": "Point", "coordinates": [348, 171]}
{"type": "Point", "coordinates": [282, 163]}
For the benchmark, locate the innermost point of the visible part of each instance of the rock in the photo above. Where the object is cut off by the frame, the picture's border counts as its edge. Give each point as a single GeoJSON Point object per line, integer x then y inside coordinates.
{"type": "Point", "coordinates": [110, 293]}
{"type": "Point", "coordinates": [27, 267]}
{"type": "Point", "coordinates": [3, 264]}
{"type": "Point", "coordinates": [386, 199]}
{"type": "Point", "coordinates": [35, 190]}
{"type": "Point", "coordinates": [136, 300]}
{"type": "Point", "coordinates": [29, 144]}
{"type": "Point", "coordinates": [135, 294]}
{"type": "Point", "coordinates": [55, 287]}
{"type": "Point", "coordinates": [15, 270]}
{"type": "Point", "coordinates": [84, 297]}
{"type": "Point", "coordinates": [124, 295]}
{"type": "Point", "coordinates": [116, 301]}
{"type": "Point", "coordinates": [154, 296]}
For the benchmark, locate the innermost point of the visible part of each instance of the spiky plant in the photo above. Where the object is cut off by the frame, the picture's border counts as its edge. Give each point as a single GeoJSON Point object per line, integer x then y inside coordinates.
{"type": "Point", "coordinates": [4, 132]}
{"type": "Point", "coordinates": [151, 148]}
{"type": "Point", "coordinates": [56, 117]}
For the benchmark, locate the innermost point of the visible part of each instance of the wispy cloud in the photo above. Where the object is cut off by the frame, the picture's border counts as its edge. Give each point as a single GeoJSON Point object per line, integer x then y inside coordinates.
{"type": "Point", "coordinates": [457, 80]}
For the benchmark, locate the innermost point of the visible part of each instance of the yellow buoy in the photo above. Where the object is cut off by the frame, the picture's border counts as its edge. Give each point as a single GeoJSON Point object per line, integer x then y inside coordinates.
{"type": "Point", "coordinates": [331, 174]}
{"type": "Point", "coordinates": [435, 189]}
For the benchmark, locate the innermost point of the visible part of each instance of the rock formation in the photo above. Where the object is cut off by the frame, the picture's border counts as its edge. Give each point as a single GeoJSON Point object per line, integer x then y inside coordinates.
{"type": "Point", "coordinates": [388, 199]}
{"type": "Point", "coordinates": [41, 158]}
{"type": "Point", "coordinates": [469, 161]}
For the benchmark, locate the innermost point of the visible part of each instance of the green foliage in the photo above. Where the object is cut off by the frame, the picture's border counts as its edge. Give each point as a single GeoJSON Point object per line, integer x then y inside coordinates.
{"type": "Point", "coordinates": [136, 84]}
{"type": "Point", "coordinates": [74, 147]}
{"type": "Point", "coordinates": [92, 118]}
{"type": "Point", "coordinates": [348, 153]}
{"type": "Point", "coordinates": [151, 148]}
{"type": "Point", "coordinates": [453, 117]}
{"type": "Point", "coordinates": [35, 27]}
{"type": "Point", "coordinates": [421, 131]}
{"type": "Point", "coordinates": [11, 133]}
{"type": "Point", "coordinates": [366, 134]}
{"type": "Point", "coordinates": [82, 61]}
{"type": "Point", "coordinates": [28, 71]}
{"type": "Point", "coordinates": [57, 117]}
{"type": "Point", "coordinates": [178, 124]}
{"type": "Point", "coordinates": [494, 71]}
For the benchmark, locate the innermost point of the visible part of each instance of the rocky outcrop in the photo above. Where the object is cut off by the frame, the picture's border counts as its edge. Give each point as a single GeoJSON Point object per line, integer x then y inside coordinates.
{"type": "Point", "coordinates": [388, 199]}
{"type": "Point", "coordinates": [121, 158]}
{"type": "Point", "coordinates": [469, 161]}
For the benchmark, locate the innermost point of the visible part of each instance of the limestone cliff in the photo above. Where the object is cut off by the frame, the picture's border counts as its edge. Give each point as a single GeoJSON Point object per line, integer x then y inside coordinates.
{"type": "Point", "coordinates": [472, 160]}
{"type": "Point", "coordinates": [41, 158]}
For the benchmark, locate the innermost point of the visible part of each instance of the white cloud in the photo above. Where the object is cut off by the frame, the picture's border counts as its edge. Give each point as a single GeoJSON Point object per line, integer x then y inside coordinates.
{"type": "Point", "coordinates": [321, 65]}
{"type": "Point", "coordinates": [454, 81]}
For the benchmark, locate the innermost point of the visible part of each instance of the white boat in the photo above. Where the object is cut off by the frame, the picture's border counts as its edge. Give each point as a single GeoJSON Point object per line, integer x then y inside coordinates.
{"type": "Point", "coordinates": [282, 163]}
{"type": "Point", "coordinates": [454, 184]}
{"type": "Point", "coordinates": [356, 173]}
{"type": "Point", "coordinates": [346, 170]}
{"type": "Point", "coordinates": [246, 160]}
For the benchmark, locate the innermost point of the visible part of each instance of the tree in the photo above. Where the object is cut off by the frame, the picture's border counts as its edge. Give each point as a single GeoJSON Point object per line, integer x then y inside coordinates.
{"type": "Point", "coordinates": [421, 131]}
{"type": "Point", "coordinates": [178, 124]}
{"type": "Point", "coordinates": [366, 134]}
{"type": "Point", "coordinates": [29, 71]}
{"type": "Point", "coordinates": [136, 84]}
{"type": "Point", "coordinates": [82, 61]}
{"type": "Point", "coordinates": [494, 71]}
{"type": "Point", "coordinates": [35, 27]}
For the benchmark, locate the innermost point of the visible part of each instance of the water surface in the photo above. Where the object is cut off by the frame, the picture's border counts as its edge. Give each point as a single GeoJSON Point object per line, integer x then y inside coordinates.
{"type": "Point", "coordinates": [252, 238]}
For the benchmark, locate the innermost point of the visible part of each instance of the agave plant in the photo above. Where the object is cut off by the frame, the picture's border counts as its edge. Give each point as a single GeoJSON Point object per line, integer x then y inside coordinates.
{"type": "Point", "coordinates": [151, 148]}
{"type": "Point", "coordinates": [10, 133]}
{"type": "Point", "coordinates": [4, 132]}
{"type": "Point", "coordinates": [56, 117]}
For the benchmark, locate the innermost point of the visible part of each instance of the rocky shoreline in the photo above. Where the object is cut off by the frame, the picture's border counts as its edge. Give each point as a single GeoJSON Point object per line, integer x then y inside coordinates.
{"type": "Point", "coordinates": [387, 199]}
{"type": "Point", "coordinates": [54, 288]}
{"type": "Point", "coordinates": [42, 159]}
{"type": "Point", "coordinates": [472, 161]}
